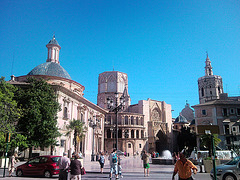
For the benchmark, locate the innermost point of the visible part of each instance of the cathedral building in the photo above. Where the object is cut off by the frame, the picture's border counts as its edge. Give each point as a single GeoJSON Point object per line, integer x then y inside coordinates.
{"type": "Point", "coordinates": [73, 105]}
{"type": "Point", "coordinates": [216, 108]}
{"type": "Point", "coordinates": [142, 126]}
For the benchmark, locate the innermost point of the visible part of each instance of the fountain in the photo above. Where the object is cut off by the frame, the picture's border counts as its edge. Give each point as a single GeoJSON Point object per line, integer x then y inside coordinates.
{"type": "Point", "coordinates": [165, 158]}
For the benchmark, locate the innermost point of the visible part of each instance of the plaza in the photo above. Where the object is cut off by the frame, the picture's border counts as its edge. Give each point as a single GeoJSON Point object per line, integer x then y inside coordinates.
{"type": "Point", "coordinates": [132, 169]}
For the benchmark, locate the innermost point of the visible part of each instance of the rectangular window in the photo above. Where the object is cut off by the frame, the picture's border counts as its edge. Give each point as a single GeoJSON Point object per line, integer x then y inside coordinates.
{"type": "Point", "coordinates": [224, 111]}
{"type": "Point", "coordinates": [226, 129]}
{"type": "Point", "coordinates": [129, 146]}
{"type": "Point", "coordinates": [232, 111]}
{"type": "Point", "coordinates": [238, 111]}
{"type": "Point", "coordinates": [204, 112]}
{"type": "Point", "coordinates": [63, 143]}
{"type": "Point", "coordinates": [140, 145]}
{"type": "Point", "coordinates": [234, 129]}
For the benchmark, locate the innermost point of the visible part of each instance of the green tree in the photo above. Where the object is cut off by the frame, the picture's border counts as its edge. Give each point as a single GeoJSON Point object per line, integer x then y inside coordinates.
{"type": "Point", "coordinates": [9, 115]}
{"type": "Point", "coordinates": [206, 143]}
{"type": "Point", "coordinates": [78, 128]}
{"type": "Point", "coordinates": [186, 139]}
{"type": "Point", "coordinates": [9, 111]}
{"type": "Point", "coordinates": [39, 103]}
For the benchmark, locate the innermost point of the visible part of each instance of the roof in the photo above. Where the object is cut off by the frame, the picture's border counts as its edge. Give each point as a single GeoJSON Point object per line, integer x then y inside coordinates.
{"type": "Point", "coordinates": [50, 69]}
{"type": "Point", "coordinates": [181, 119]}
{"type": "Point", "coordinates": [218, 102]}
{"type": "Point", "coordinates": [53, 41]}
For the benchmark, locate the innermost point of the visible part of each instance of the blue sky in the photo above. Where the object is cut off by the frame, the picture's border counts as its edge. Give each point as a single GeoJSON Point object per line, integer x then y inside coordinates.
{"type": "Point", "coordinates": [161, 45]}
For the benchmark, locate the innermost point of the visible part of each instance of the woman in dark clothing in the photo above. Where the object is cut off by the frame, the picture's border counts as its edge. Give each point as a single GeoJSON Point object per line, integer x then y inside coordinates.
{"type": "Point", "coordinates": [75, 168]}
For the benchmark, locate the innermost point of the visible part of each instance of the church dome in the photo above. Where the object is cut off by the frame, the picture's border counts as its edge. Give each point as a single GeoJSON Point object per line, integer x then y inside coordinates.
{"type": "Point", "coordinates": [50, 69]}
{"type": "Point", "coordinates": [181, 119]}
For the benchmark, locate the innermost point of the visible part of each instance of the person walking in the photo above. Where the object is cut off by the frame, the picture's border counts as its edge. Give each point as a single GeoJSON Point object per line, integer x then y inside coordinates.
{"type": "Point", "coordinates": [113, 160]}
{"type": "Point", "coordinates": [199, 161]}
{"type": "Point", "coordinates": [75, 168]}
{"type": "Point", "coordinates": [12, 162]}
{"type": "Point", "coordinates": [101, 161]}
{"type": "Point", "coordinates": [184, 168]}
{"type": "Point", "coordinates": [120, 170]}
{"type": "Point", "coordinates": [146, 166]}
{"type": "Point", "coordinates": [63, 164]}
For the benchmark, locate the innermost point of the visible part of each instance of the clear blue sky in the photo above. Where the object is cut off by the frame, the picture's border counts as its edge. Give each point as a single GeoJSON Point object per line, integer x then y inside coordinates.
{"type": "Point", "coordinates": [161, 45]}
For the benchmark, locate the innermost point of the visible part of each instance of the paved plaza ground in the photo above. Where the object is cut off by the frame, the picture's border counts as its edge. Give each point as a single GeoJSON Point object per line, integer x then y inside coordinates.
{"type": "Point", "coordinates": [132, 169]}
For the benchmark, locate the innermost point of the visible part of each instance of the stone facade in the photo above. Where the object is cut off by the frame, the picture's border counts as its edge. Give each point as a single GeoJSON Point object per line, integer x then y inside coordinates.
{"type": "Point", "coordinates": [142, 126]}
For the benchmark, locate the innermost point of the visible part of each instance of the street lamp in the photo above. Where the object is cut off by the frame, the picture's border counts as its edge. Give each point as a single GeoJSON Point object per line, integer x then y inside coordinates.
{"type": "Point", "coordinates": [116, 109]}
{"type": "Point", "coordinates": [93, 125]}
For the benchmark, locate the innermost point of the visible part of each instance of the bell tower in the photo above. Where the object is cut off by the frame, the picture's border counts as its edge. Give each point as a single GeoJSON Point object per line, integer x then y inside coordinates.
{"type": "Point", "coordinates": [111, 83]}
{"type": "Point", "coordinates": [209, 86]}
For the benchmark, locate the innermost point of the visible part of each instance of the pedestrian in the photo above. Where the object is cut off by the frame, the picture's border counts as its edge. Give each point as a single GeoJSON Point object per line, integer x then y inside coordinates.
{"type": "Point", "coordinates": [199, 161]}
{"type": "Point", "coordinates": [75, 168]}
{"type": "Point", "coordinates": [63, 164]}
{"type": "Point", "coordinates": [101, 161]}
{"type": "Point", "coordinates": [146, 166]}
{"type": "Point", "coordinates": [113, 160]}
{"type": "Point", "coordinates": [120, 170]}
{"type": "Point", "coordinates": [12, 162]}
{"type": "Point", "coordinates": [184, 168]}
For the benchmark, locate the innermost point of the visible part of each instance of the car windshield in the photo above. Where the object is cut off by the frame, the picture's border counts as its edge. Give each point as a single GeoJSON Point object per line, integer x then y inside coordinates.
{"type": "Point", "coordinates": [55, 159]}
{"type": "Point", "coordinates": [234, 161]}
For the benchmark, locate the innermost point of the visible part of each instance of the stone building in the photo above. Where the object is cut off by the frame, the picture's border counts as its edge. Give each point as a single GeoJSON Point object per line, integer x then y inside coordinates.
{"type": "Point", "coordinates": [73, 104]}
{"type": "Point", "coordinates": [146, 125]}
{"type": "Point", "coordinates": [216, 108]}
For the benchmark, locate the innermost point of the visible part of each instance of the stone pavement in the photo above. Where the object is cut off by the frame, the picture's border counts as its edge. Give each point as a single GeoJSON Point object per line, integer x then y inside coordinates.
{"type": "Point", "coordinates": [132, 169]}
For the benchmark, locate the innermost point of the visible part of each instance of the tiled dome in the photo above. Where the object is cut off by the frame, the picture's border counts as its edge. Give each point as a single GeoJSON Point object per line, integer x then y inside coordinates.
{"type": "Point", "coordinates": [181, 119]}
{"type": "Point", "coordinates": [50, 69]}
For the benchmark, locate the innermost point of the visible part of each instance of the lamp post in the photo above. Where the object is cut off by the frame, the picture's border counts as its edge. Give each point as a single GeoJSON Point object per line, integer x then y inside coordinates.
{"type": "Point", "coordinates": [93, 125]}
{"type": "Point", "coordinates": [116, 108]}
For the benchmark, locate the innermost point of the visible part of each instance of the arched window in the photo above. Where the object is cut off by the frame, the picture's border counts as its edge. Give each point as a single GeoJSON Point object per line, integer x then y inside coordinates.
{"type": "Point", "coordinates": [202, 92]}
{"type": "Point", "coordinates": [137, 134]}
{"type": "Point", "coordinates": [126, 120]}
{"type": "Point", "coordinates": [136, 120]}
{"type": "Point", "coordinates": [141, 120]}
{"type": "Point", "coordinates": [142, 134]}
{"type": "Point", "coordinates": [132, 133]}
{"type": "Point", "coordinates": [65, 112]}
{"type": "Point", "coordinates": [132, 120]}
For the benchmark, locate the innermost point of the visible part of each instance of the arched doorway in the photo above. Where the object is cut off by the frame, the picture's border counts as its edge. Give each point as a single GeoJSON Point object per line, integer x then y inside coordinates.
{"type": "Point", "coordinates": [129, 149]}
{"type": "Point", "coordinates": [161, 142]}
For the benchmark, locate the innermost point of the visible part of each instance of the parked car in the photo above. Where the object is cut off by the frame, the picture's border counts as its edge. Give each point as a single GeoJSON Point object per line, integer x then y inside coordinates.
{"type": "Point", "coordinates": [39, 166]}
{"type": "Point", "coordinates": [228, 171]}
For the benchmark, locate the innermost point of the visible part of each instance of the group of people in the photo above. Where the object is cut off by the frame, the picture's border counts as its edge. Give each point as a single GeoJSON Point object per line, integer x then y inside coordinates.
{"type": "Point", "coordinates": [115, 165]}
{"type": "Point", "coordinates": [74, 166]}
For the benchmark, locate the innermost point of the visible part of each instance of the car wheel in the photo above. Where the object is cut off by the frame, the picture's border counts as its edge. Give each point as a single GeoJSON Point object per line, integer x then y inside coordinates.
{"type": "Point", "coordinates": [47, 174]}
{"type": "Point", "coordinates": [229, 177]}
{"type": "Point", "coordinates": [19, 173]}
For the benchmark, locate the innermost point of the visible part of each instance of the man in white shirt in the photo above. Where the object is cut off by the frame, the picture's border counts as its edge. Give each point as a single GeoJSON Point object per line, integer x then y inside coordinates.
{"type": "Point", "coordinates": [63, 163]}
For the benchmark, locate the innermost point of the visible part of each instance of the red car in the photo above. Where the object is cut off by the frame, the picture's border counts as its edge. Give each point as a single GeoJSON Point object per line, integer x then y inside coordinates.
{"type": "Point", "coordinates": [39, 166]}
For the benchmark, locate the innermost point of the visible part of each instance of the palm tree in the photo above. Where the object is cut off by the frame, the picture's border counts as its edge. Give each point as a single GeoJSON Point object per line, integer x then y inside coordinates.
{"type": "Point", "coordinates": [79, 129]}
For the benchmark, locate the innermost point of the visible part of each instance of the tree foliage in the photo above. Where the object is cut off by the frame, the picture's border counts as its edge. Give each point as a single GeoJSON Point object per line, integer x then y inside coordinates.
{"type": "Point", "coordinates": [186, 140]}
{"type": "Point", "coordinates": [206, 143]}
{"type": "Point", "coordinates": [39, 121]}
{"type": "Point", "coordinates": [78, 128]}
{"type": "Point", "coordinates": [9, 111]}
